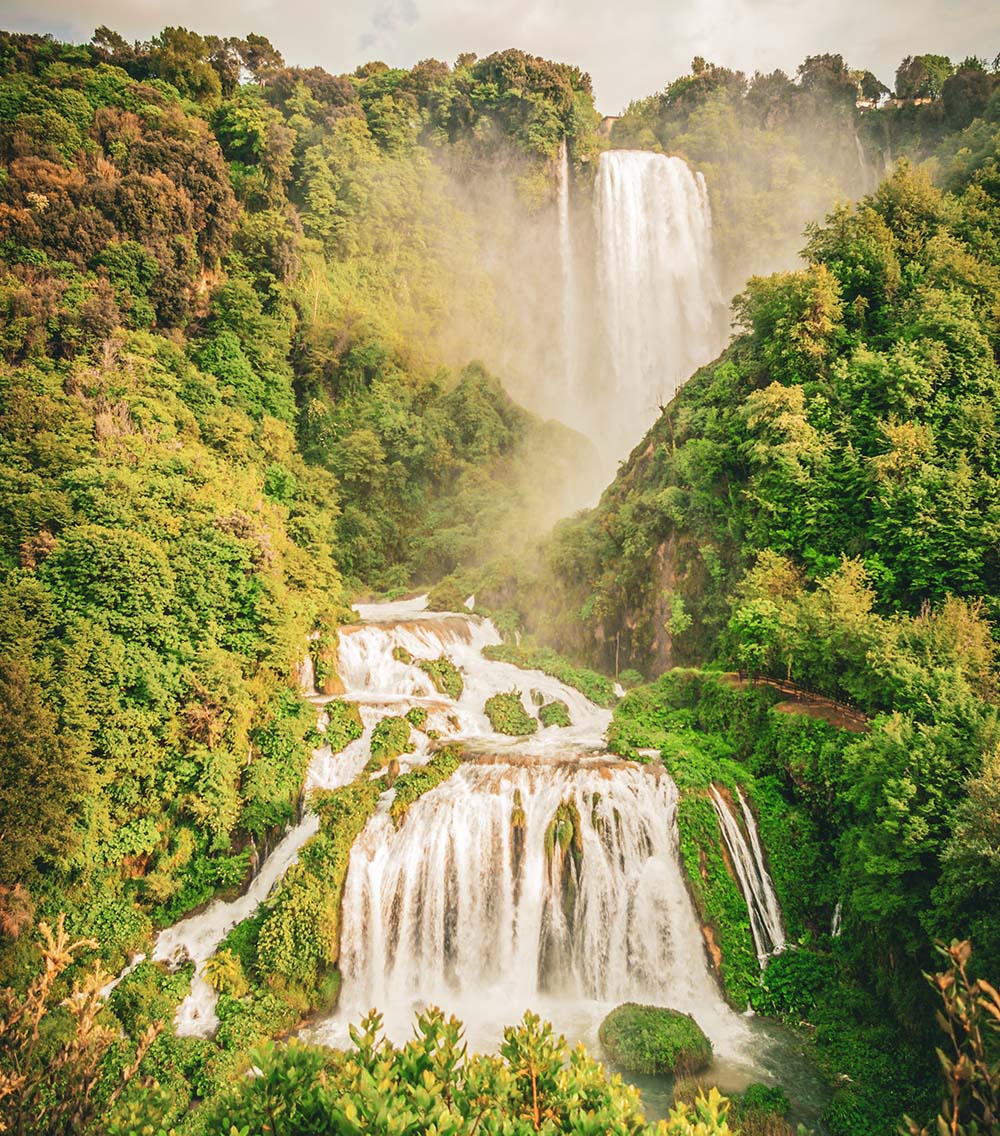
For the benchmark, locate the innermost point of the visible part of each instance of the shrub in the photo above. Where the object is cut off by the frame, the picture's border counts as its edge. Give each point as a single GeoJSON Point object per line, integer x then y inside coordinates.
{"type": "Point", "coordinates": [390, 738]}
{"type": "Point", "coordinates": [344, 724]}
{"type": "Point", "coordinates": [654, 1040]}
{"type": "Point", "coordinates": [507, 714]}
{"type": "Point", "coordinates": [555, 713]}
{"type": "Point", "coordinates": [417, 716]}
{"type": "Point", "coordinates": [446, 596]}
{"type": "Point", "coordinates": [444, 674]}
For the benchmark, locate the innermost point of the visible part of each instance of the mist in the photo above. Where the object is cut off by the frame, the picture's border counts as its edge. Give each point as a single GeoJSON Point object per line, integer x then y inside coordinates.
{"type": "Point", "coordinates": [601, 350]}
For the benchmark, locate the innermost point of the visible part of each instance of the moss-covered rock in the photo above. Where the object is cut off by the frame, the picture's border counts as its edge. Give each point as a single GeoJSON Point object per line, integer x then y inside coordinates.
{"type": "Point", "coordinates": [417, 716]}
{"type": "Point", "coordinates": [344, 724]}
{"type": "Point", "coordinates": [654, 1040]}
{"type": "Point", "coordinates": [390, 738]}
{"type": "Point", "coordinates": [445, 676]}
{"type": "Point", "coordinates": [507, 714]}
{"type": "Point", "coordinates": [555, 713]}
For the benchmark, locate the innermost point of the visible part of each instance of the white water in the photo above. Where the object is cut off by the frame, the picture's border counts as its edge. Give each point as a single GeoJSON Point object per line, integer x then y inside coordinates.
{"type": "Point", "coordinates": [461, 905]}
{"type": "Point", "coordinates": [660, 297]}
{"type": "Point", "coordinates": [747, 856]}
{"type": "Point", "coordinates": [463, 908]}
{"type": "Point", "coordinates": [570, 331]}
{"type": "Point", "coordinates": [380, 685]}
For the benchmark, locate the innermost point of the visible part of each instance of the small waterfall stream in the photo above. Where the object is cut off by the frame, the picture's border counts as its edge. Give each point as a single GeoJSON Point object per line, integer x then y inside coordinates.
{"type": "Point", "coordinates": [747, 856]}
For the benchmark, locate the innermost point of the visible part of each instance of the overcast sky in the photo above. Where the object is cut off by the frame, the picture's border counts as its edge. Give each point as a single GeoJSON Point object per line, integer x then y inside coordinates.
{"type": "Point", "coordinates": [630, 47]}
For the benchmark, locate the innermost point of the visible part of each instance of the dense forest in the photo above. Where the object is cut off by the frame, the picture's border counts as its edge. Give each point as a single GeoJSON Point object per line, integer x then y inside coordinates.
{"type": "Point", "coordinates": [240, 388]}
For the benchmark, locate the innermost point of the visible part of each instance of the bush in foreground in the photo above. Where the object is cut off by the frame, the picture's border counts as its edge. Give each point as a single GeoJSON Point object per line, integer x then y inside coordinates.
{"type": "Point", "coordinates": [536, 1084]}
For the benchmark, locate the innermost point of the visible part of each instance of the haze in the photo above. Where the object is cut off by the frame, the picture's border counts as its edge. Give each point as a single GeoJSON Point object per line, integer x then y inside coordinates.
{"type": "Point", "coordinates": [631, 49]}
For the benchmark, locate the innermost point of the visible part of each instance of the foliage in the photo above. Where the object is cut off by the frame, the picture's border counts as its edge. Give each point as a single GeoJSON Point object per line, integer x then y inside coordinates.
{"type": "Point", "coordinates": [344, 724]}
{"type": "Point", "coordinates": [535, 1084]}
{"type": "Point", "coordinates": [596, 687]}
{"type": "Point", "coordinates": [390, 738]}
{"type": "Point", "coordinates": [412, 785]}
{"type": "Point", "coordinates": [554, 713]}
{"type": "Point", "coordinates": [416, 716]}
{"type": "Point", "coordinates": [971, 1012]}
{"type": "Point", "coordinates": [49, 1072]}
{"type": "Point", "coordinates": [299, 938]}
{"type": "Point", "coordinates": [507, 714]}
{"type": "Point", "coordinates": [654, 1040]}
{"type": "Point", "coordinates": [445, 676]}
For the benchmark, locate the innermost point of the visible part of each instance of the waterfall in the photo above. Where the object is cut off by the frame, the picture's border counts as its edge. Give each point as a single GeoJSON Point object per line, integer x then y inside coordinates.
{"type": "Point", "coordinates": [867, 181]}
{"type": "Point", "coordinates": [660, 297]}
{"type": "Point", "coordinates": [569, 299]}
{"type": "Point", "coordinates": [553, 884]}
{"type": "Point", "coordinates": [754, 879]}
{"type": "Point", "coordinates": [836, 922]}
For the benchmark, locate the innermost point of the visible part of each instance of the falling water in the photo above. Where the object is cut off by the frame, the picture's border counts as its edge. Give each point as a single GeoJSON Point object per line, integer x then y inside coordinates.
{"type": "Point", "coordinates": [867, 180]}
{"type": "Point", "coordinates": [755, 881]}
{"type": "Point", "coordinates": [569, 298]}
{"type": "Point", "coordinates": [837, 921]}
{"type": "Point", "coordinates": [514, 885]}
{"type": "Point", "coordinates": [660, 297]}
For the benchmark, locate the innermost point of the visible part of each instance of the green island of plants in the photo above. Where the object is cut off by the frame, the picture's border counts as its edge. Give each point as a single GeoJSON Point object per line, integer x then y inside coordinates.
{"type": "Point", "coordinates": [344, 724]}
{"type": "Point", "coordinates": [445, 676]}
{"type": "Point", "coordinates": [507, 714]}
{"type": "Point", "coordinates": [655, 1040]}
{"type": "Point", "coordinates": [554, 713]}
{"type": "Point", "coordinates": [390, 739]}
{"type": "Point", "coordinates": [416, 716]}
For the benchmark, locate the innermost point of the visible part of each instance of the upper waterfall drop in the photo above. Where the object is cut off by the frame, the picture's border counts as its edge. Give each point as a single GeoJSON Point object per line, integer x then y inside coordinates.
{"type": "Point", "coordinates": [661, 301]}
{"type": "Point", "coordinates": [568, 269]}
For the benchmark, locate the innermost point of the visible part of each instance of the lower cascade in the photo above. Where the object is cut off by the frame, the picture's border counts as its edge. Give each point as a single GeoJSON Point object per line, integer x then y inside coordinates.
{"type": "Point", "coordinates": [543, 874]}
{"type": "Point", "coordinates": [512, 886]}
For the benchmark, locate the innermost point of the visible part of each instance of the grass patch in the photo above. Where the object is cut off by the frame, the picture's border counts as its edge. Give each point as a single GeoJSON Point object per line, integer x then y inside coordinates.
{"type": "Point", "coordinates": [344, 724]}
{"type": "Point", "coordinates": [390, 738]}
{"type": "Point", "coordinates": [555, 713]}
{"type": "Point", "coordinates": [445, 676]}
